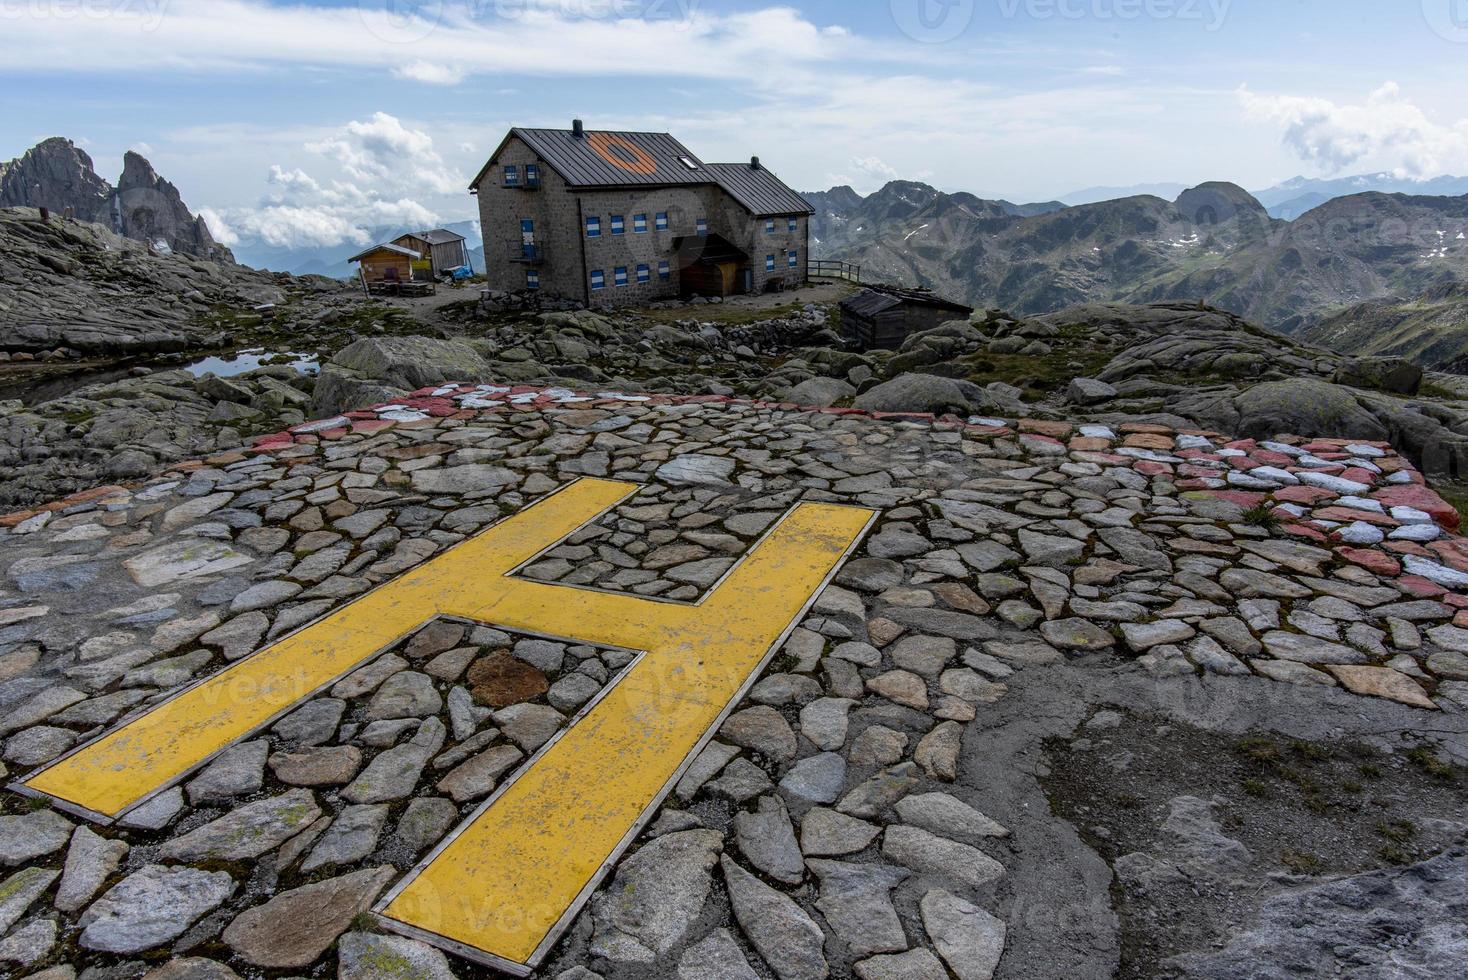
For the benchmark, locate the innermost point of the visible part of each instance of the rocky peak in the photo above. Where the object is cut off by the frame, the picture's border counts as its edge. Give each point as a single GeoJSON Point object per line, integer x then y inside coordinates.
{"type": "Point", "coordinates": [55, 174]}
{"type": "Point", "coordinates": [58, 175]}
{"type": "Point", "coordinates": [1216, 202]}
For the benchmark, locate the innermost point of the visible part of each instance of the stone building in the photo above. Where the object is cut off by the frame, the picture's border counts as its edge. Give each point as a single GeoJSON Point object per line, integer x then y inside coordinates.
{"type": "Point", "coordinates": [618, 219]}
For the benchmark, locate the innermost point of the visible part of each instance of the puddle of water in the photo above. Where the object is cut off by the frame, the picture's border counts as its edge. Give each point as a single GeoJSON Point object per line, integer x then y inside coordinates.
{"type": "Point", "coordinates": [248, 360]}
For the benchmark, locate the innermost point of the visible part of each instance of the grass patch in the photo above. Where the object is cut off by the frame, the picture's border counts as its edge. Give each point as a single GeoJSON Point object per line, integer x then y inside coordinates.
{"type": "Point", "coordinates": [1263, 516]}
{"type": "Point", "coordinates": [1427, 760]}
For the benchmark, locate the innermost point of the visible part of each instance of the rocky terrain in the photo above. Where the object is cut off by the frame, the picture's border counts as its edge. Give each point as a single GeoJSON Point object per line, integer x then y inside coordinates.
{"type": "Point", "coordinates": [1214, 243]}
{"type": "Point", "coordinates": [983, 753]}
{"type": "Point", "coordinates": [58, 175]}
{"type": "Point", "coordinates": [1431, 329]}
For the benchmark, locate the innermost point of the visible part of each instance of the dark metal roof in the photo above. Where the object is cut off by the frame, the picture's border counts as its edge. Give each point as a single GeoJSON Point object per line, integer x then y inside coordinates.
{"type": "Point", "coordinates": [610, 159]}
{"type": "Point", "coordinates": [759, 191]}
{"type": "Point", "coordinates": [439, 236]}
{"type": "Point", "coordinates": [870, 302]}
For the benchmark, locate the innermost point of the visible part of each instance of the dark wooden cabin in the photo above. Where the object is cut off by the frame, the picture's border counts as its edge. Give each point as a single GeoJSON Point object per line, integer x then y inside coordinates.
{"type": "Point", "coordinates": [881, 317]}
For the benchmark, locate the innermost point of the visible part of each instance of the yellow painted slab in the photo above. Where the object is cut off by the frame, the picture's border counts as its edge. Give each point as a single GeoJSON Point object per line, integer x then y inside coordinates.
{"type": "Point", "coordinates": [120, 769]}
{"type": "Point", "coordinates": [506, 882]}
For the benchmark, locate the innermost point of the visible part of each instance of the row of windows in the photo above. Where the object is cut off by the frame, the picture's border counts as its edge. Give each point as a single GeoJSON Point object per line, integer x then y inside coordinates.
{"type": "Point", "coordinates": [644, 272]}
{"type": "Point", "coordinates": [618, 224]}
{"type": "Point", "coordinates": [619, 275]}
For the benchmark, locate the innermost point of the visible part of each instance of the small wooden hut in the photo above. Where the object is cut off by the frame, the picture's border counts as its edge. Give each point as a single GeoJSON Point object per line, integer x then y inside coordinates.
{"type": "Point", "coordinates": [881, 317]}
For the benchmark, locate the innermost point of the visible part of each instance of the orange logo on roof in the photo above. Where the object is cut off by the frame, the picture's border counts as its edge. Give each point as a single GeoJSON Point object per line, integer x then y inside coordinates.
{"type": "Point", "coordinates": [622, 154]}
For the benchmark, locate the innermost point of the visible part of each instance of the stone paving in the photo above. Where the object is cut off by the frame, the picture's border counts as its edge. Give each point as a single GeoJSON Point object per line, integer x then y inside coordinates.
{"type": "Point", "coordinates": [826, 830]}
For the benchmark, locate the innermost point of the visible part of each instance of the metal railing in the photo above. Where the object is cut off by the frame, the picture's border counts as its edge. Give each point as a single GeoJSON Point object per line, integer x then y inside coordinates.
{"type": "Point", "coordinates": [834, 269]}
{"type": "Point", "coordinates": [528, 254]}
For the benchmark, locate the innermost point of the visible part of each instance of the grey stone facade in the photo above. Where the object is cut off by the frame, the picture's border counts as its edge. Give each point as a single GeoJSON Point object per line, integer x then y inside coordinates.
{"type": "Point", "coordinates": [567, 256]}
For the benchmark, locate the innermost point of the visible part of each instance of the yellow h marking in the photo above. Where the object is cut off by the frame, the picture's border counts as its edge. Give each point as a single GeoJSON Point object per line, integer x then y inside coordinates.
{"type": "Point", "coordinates": [503, 886]}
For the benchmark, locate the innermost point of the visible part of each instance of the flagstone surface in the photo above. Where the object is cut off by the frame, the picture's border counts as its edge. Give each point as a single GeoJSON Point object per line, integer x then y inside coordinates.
{"type": "Point", "coordinates": [841, 823]}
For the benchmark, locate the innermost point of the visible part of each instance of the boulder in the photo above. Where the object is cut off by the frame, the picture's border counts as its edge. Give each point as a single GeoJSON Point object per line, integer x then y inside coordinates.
{"type": "Point", "coordinates": [925, 393]}
{"type": "Point", "coordinates": [1394, 374]}
{"type": "Point", "coordinates": [820, 392]}
{"type": "Point", "coordinates": [1089, 391]}
{"type": "Point", "coordinates": [394, 365]}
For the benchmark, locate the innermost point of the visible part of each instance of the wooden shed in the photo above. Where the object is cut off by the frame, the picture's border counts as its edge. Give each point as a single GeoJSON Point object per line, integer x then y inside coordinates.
{"type": "Point", "coordinates": [442, 250]}
{"type": "Point", "coordinates": [389, 262]}
{"type": "Point", "coordinates": [882, 316]}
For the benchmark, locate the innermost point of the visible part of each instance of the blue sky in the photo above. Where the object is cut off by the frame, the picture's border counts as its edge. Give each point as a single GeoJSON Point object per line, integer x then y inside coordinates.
{"type": "Point", "coordinates": [307, 123]}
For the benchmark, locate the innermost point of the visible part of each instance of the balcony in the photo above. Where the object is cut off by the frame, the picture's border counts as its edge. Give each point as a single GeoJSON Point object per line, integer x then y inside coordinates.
{"type": "Point", "coordinates": [527, 254]}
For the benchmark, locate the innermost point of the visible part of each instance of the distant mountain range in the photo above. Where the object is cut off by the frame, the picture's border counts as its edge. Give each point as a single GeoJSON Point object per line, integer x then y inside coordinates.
{"type": "Point", "coordinates": [1214, 243]}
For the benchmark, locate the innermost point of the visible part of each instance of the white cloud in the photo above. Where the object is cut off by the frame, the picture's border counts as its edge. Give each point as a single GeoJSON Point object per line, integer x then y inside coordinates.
{"type": "Point", "coordinates": [874, 167]}
{"type": "Point", "coordinates": [431, 74]}
{"type": "Point", "coordinates": [387, 162]}
{"type": "Point", "coordinates": [386, 153]}
{"type": "Point", "coordinates": [1385, 132]}
{"type": "Point", "coordinates": [439, 44]}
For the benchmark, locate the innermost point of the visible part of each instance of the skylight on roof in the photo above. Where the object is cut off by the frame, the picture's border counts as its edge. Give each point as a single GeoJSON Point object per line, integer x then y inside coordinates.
{"type": "Point", "coordinates": [688, 162]}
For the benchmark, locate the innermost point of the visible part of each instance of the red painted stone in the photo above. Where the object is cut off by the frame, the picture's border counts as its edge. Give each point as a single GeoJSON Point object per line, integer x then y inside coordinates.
{"type": "Point", "coordinates": [1148, 467]}
{"type": "Point", "coordinates": [1371, 560]}
{"type": "Point", "coordinates": [1298, 530]}
{"type": "Point", "coordinates": [1348, 515]}
{"type": "Point", "coordinates": [1243, 444]}
{"type": "Point", "coordinates": [1269, 457]}
{"type": "Point", "coordinates": [372, 425]}
{"type": "Point", "coordinates": [1199, 484]}
{"type": "Point", "coordinates": [1243, 463]}
{"type": "Point", "coordinates": [1420, 497]}
{"type": "Point", "coordinates": [1361, 476]}
{"type": "Point", "coordinates": [1406, 548]}
{"type": "Point", "coordinates": [1309, 496]}
{"type": "Point", "coordinates": [1421, 587]}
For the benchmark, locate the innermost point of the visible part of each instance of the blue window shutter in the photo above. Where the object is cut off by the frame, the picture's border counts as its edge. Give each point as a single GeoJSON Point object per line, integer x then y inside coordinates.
{"type": "Point", "coordinates": [618, 225]}
{"type": "Point", "coordinates": [598, 279]}
{"type": "Point", "coordinates": [664, 271]}
{"type": "Point", "coordinates": [662, 221]}
{"type": "Point", "coordinates": [794, 224]}
{"type": "Point", "coordinates": [593, 227]}
{"type": "Point", "coordinates": [794, 260]}
{"type": "Point", "coordinates": [512, 175]}
{"type": "Point", "coordinates": [769, 263]}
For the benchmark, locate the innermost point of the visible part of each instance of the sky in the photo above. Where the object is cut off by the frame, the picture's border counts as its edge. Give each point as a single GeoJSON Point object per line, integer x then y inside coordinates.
{"type": "Point", "coordinates": [310, 123]}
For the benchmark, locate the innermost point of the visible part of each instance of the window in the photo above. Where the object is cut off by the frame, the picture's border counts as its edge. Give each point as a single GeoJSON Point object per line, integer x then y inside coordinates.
{"type": "Point", "coordinates": [639, 223]}
{"type": "Point", "coordinates": [598, 280]}
{"type": "Point", "coordinates": [512, 176]}
{"type": "Point", "coordinates": [618, 225]}
{"type": "Point", "coordinates": [593, 227]}
{"type": "Point", "coordinates": [688, 162]}
{"type": "Point", "coordinates": [644, 274]}
{"type": "Point", "coordinates": [769, 226]}
{"type": "Point", "coordinates": [619, 275]}
{"type": "Point", "coordinates": [527, 226]}
{"type": "Point", "coordinates": [703, 226]}
{"type": "Point", "coordinates": [794, 225]}
{"type": "Point", "coordinates": [532, 279]}
{"type": "Point", "coordinates": [532, 175]}
{"type": "Point", "coordinates": [769, 263]}
{"type": "Point", "coordinates": [664, 271]}
{"type": "Point", "coordinates": [662, 221]}
{"type": "Point", "coordinates": [792, 259]}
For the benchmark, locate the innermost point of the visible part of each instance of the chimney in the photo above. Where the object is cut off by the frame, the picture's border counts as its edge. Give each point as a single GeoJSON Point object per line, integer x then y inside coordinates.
{"type": "Point", "coordinates": [577, 129]}
{"type": "Point", "coordinates": [754, 163]}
